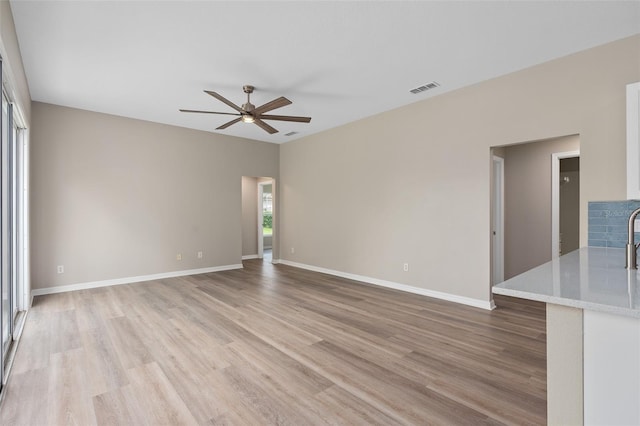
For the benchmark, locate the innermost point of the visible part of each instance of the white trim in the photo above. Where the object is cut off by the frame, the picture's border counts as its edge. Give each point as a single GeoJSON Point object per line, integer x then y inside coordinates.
{"type": "Point", "coordinates": [8, 77]}
{"type": "Point", "coordinates": [497, 254]}
{"type": "Point", "coordinates": [22, 219]}
{"type": "Point", "coordinates": [274, 218]}
{"type": "Point", "coordinates": [633, 141]}
{"type": "Point", "coordinates": [261, 185]}
{"type": "Point", "coordinates": [555, 198]}
{"type": "Point", "coordinates": [260, 220]}
{"type": "Point", "coordinates": [25, 256]}
{"type": "Point", "coordinates": [276, 261]}
{"type": "Point", "coordinates": [250, 256]}
{"type": "Point", "coordinates": [483, 304]}
{"type": "Point", "coordinates": [130, 280]}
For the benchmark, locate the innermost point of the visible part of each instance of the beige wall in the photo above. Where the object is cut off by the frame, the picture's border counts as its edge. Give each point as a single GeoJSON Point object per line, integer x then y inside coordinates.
{"type": "Point", "coordinates": [527, 194]}
{"type": "Point", "coordinates": [114, 197]}
{"type": "Point", "coordinates": [392, 189]}
{"type": "Point", "coordinates": [12, 62]}
{"type": "Point", "coordinates": [249, 216]}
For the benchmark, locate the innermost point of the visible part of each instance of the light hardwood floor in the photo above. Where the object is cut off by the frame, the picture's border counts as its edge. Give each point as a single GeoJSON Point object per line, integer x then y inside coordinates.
{"type": "Point", "coordinates": [275, 345]}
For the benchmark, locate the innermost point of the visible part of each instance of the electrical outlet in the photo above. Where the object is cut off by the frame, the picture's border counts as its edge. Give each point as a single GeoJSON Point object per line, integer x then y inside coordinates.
{"type": "Point", "coordinates": [293, 250]}
{"type": "Point", "coordinates": [405, 267]}
{"type": "Point", "coordinates": [61, 269]}
{"type": "Point", "coordinates": [179, 256]}
{"type": "Point", "coordinates": [199, 255]}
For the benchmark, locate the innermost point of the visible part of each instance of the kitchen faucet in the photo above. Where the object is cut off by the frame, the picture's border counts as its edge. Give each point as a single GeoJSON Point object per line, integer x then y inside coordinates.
{"type": "Point", "coordinates": [632, 247]}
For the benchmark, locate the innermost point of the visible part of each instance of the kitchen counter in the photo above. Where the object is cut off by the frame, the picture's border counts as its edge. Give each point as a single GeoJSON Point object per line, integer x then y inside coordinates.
{"type": "Point", "coordinates": [593, 335]}
{"type": "Point", "coordinates": [590, 278]}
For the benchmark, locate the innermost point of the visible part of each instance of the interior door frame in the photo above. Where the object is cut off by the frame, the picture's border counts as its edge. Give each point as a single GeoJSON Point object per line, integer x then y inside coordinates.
{"type": "Point", "coordinates": [261, 185]}
{"type": "Point", "coordinates": [555, 198]}
{"type": "Point", "coordinates": [497, 220]}
{"type": "Point", "coordinates": [260, 219]}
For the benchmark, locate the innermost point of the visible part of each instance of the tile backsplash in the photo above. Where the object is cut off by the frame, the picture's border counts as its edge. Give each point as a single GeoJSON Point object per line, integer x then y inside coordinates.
{"type": "Point", "coordinates": [608, 222]}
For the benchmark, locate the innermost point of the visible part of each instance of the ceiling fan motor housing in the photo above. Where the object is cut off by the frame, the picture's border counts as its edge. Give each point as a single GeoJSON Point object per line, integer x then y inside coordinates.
{"type": "Point", "coordinates": [248, 107]}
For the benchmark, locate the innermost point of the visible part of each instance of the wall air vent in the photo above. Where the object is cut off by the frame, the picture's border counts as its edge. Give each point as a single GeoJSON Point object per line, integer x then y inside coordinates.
{"type": "Point", "coordinates": [291, 133]}
{"type": "Point", "coordinates": [425, 87]}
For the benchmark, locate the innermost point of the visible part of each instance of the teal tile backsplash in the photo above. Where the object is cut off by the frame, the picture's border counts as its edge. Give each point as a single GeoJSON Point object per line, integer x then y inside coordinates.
{"type": "Point", "coordinates": [608, 222]}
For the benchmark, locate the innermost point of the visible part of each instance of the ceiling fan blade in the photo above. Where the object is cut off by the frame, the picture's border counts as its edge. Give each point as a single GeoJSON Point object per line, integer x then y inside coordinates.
{"type": "Point", "coordinates": [208, 112]}
{"type": "Point", "coordinates": [223, 99]}
{"type": "Point", "coordinates": [286, 118]}
{"type": "Point", "coordinates": [225, 125]}
{"type": "Point", "coordinates": [276, 103]}
{"type": "Point", "coordinates": [264, 126]}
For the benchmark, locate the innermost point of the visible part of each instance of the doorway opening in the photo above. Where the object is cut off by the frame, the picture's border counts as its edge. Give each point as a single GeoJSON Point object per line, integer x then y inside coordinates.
{"type": "Point", "coordinates": [265, 220]}
{"type": "Point", "coordinates": [565, 202]}
{"type": "Point", "coordinates": [525, 204]}
{"type": "Point", "coordinates": [259, 219]}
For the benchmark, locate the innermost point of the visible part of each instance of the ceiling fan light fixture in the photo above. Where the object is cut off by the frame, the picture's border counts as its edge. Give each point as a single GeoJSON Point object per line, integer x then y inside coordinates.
{"type": "Point", "coordinates": [247, 118]}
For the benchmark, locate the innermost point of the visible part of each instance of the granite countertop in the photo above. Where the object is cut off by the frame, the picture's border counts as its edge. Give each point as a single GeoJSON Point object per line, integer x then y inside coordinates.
{"type": "Point", "coordinates": [591, 278]}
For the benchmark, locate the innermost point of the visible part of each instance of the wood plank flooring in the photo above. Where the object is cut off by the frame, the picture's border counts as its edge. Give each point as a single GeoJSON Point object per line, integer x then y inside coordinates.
{"type": "Point", "coordinates": [271, 344]}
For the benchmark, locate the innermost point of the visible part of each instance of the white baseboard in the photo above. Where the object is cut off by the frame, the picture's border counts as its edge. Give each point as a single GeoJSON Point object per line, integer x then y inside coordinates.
{"type": "Point", "coordinates": [250, 256]}
{"type": "Point", "coordinates": [488, 305]}
{"type": "Point", "coordinates": [130, 280]}
{"type": "Point", "coordinates": [492, 304]}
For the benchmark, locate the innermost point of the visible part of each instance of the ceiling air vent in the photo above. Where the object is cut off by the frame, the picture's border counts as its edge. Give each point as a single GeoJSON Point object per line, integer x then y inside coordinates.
{"type": "Point", "coordinates": [424, 88]}
{"type": "Point", "coordinates": [291, 133]}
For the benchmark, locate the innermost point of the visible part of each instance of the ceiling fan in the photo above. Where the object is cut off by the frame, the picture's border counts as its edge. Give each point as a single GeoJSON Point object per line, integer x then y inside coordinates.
{"type": "Point", "coordinates": [249, 113]}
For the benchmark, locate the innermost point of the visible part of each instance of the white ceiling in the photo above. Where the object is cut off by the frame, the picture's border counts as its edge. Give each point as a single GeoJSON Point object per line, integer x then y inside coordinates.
{"type": "Point", "coordinates": [337, 61]}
